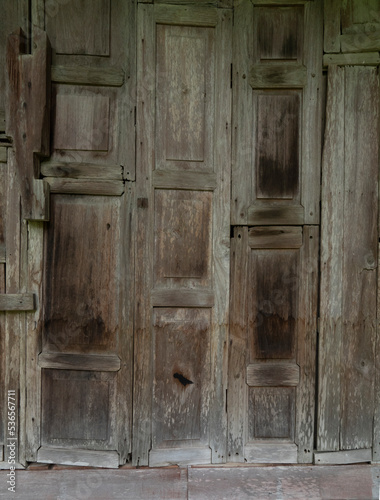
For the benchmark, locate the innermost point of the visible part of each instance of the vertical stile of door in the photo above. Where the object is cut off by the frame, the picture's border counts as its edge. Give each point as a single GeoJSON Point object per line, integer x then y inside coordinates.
{"type": "Point", "coordinates": [182, 247]}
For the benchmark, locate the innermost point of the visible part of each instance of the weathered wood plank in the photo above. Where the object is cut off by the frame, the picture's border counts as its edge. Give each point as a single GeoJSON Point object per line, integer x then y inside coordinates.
{"type": "Point", "coordinates": [182, 456]}
{"type": "Point", "coordinates": [331, 314]}
{"type": "Point", "coordinates": [360, 42]}
{"type": "Point", "coordinates": [360, 255]}
{"type": "Point", "coordinates": [184, 180]}
{"type": "Point", "coordinates": [242, 155]}
{"type": "Point", "coordinates": [307, 343]}
{"type": "Point", "coordinates": [87, 75]}
{"type": "Point", "coordinates": [271, 453]}
{"type": "Point", "coordinates": [274, 215]}
{"type": "Point", "coordinates": [275, 237]}
{"type": "Point", "coordinates": [3, 155]}
{"type": "Point", "coordinates": [88, 186]}
{"type": "Point", "coordinates": [237, 396]}
{"type": "Point", "coordinates": [143, 372]}
{"type": "Point", "coordinates": [332, 25]}
{"type": "Point", "coordinates": [181, 15]}
{"type": "Point", "coordinates": [17, 302]}
{"type": "Point", "coordinates": [82, 170]}
{"type": "Point", "coordinates": [343, 457]}
{"type": "Point", "coordinates": [277, 76]}
{"type": "Point", "coordinates": [78, 458]}
{"type": "Point", "coordinates": [376, 418]}
{"type": "Point", "coordinates": [273, 374]}
{"type": "Point", "coordinates": [311, 135]}
{"type": "Point", "coordinates": [182, 298]}
{"type": "Point", "coordinates": [93, 362]}
{"type": "Point", "coordinates": [362, 59]}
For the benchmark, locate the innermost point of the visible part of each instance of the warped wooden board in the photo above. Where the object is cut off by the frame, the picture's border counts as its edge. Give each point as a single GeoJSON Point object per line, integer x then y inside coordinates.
{"type": "Point", "coordinates": [270, 453]}
{"type": "Point", "coordinates": [343, 457]}
{"type": "Point", "coordinates": [105, 459]}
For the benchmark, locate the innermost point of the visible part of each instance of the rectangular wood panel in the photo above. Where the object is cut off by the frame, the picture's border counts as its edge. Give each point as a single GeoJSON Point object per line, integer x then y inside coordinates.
{"type": "Point", "coordinates": [81, 27]}
{"type": "Point", "coordinates": [77, 408]}
{"type": "Point", "coordinates": [273, 374]}
{"type": "Point", "coordinates": [273, 283]}
{"type": "Point", "coordinates": [181, 376]}
{"type": "Point", "coordinates": [275, 237]}
{"type": "Point", "coordinates": [184, 98]}
{"type": "Point", "coordinates": [81, 312]}
{"type": "Point", "coordinates": [277, 146]}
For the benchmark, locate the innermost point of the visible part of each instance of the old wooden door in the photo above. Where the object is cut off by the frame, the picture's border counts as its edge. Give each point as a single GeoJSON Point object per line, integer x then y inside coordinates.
{"type": "Point", "coordinates": [274, 250]}
{"type": "Point", "coordinates": [80, 339]}
{"type": "Point", "coordinates": [182, 255]}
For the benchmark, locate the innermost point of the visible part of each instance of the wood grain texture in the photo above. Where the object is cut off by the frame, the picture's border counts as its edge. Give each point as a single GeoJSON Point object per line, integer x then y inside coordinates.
{"type": "Point", "coordinates": [343, 457]}
{"type": "Point", "coordinates": [59, 185]}
{"type": "Point", "coordinates": [331, 313]}
{"type": "Point", "coordinates": [237, 387]}
{"type": "Point", "coordinates": [360, 255]}
{"type": "Point", "coordinates": [17, 302]}
{"type": "Point", "coordinates": [187, 15]}
{"type": "Point", "coordinates": [3, 155]}
{"type": "Point", "coordinates": [86, 75]}
{"type": "Point", "coordinates": [275, 237]}
{"type": "Point", "coordinates": [77, 458]}
{"type": "Point", "coordinates": [184, 456]}
{"type": "Point", "coordinates": [62, 361]}
{"type": "Point", "coordinates": [184, 180]}
{"type": "Point", "coordinates": [360, 42]}
{"type": "Point", "coordinates": [182, 298]}
{"type": "Point", "coordinates": [278, 76]}
{"type": "Point", "coordinates": [332, 26]}
{"type": "Point", "coordinates": [361, 59]}
{"type": "Point", "coordinates": [273, 374]}
{"type": "Point", "coordinates": [271, 453]}
{"type": "Point", "coordinates": [272, 214]}
{"type": "Point", "coordinates": [82, 170]}
{"type": "Point", "coordinates": [376, 418]}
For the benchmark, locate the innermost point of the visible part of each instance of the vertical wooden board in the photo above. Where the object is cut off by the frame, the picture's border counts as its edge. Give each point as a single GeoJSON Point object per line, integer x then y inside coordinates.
{"type": "Point", "coordinates": [78, 409]}
{"type": "Point", "coordinates": [331, 287]}
{"type": "Point", "coordinates": [143, 375]}
{"type": "Point", "coordinates": [376, 420]}
{"type": "Point", "coordinates": [81, 27]}
{"type": "Point", "coordinates": [221, 237]}
{"type": "Point", "coordinates": [242, 153]}
{"type": "Point", "coordinates": [185, 121]}
{"type": "Point", "coordinates": [271, 413]}
{"type": "Point", "coordinates": [81, 309]}
{"type": "Point", "coordinates": [360, 255]}
{"type": "Point", "coordinates": [307, 343]}
{"type": "Point", "coordinates": [312, 113]}
{"type": "Point", "coordinates": [238, 345]}
{"type": "Point", "coordinates": [277, 161]}
{"type": "Point", "coordinates": [280, 33]}
{"type": "Point", "coordinates": [181, 377]}
{"type": "Point", "coordinates": [183, 238]}
{"type": "Point", "coordinates": [332, 9]}
{"type": "Point", "coordinates": [273, 277]}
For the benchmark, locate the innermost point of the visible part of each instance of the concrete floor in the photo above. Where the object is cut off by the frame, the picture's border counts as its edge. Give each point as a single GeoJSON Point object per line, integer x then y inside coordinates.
{"type": "Point", "coordinates": [342, 482]}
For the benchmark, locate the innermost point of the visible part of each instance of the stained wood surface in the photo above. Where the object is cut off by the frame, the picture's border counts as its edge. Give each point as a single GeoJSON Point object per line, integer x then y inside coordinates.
{"type": "Point", "coordinates": [349, 277]}
{"type": "Point", "coordinates": [112, 77]}
{"type": "Point", "coordinates": [273, 374]}
{"type": "Point", "coordinates": [89, 186]}
{"type": "Point", "coordinates": [17, 302]}
{"type": "Point", "coordinates": [278, 76]}
{"type": "Point", "coordinates": [103, 363]}
{"type": "Point", "coordinates": [275, 237]}
{"type": "Point", "coordinates": [104, 459]}
{"type": "Point", "coordinates": [343, 457]}
{"type": "Point", "coordinates": [82, 170]}
{"type": "Point", "coordinates": [362, 59]}
{"type": "Point", "coordinates": [332, 25]}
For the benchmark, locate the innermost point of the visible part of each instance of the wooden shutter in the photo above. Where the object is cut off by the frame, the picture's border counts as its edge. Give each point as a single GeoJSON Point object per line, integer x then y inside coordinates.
{"type": "Point", "coordinates": [80, 356]}
{"type": "Point", "coordinates": [277, 133]}
{"type": "Point", "coordinates": [183, 130]}
{"type": "Point", "coordinates": [272, 344]}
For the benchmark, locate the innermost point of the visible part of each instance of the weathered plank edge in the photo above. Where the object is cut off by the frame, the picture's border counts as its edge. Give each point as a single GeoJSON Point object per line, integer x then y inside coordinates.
{"type": "Point", "coordinates": [342, 457]}
{"type": "Point", "coordinates": [179, 456]}
{"type": "Point", "coordinates": [90, 362]}
{"type": "Point", "coordinates": [87, 75]}
{"type": "Point", "coordinates": [17, 302]}
{"type": "Point", "coordinates": [78, 457]}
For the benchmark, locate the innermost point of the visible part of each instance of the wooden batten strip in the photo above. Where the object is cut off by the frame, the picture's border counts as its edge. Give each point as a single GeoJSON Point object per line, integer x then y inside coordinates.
{"type": "Point", "coordinates": [273, 375]}
{"type": "Point", "coordinates": [275, 237]}
{"type": "Point", "coordinates": [274, 215]}
{"type": "Point", "coordinates": [343, 457]}
{"type": "Point", "coordinates": [178, 14]}
{"type": "Point", "coordinates": [79, 458]}
{"type": "Point", "coordinates": [184, 180]}
{"type": "Point", "coordinates": [88, 186]}
{"type": "Point", "coordinates": [2, 253]}
{"type": "Point", "coordinates": [91, 362]}
{"type": "Point", "coordinates": [179, 456]}
{"type": "Point", "coordinates": [278, 76]}
{"type": "Point", "coordinates": [182, 298]}
{"type": "Point", "coordinates": [17, 302]}
{"type": "Point", "coordinates": [85, 75]}
{"type": "Point", "coordinates": [360, 42]}
{"type": "Point", "coordinates": [82, 170]}
{"type": "Point", "coordinates": [361, 59]}
{"type": "Point", "coordinates": [271, 453]}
